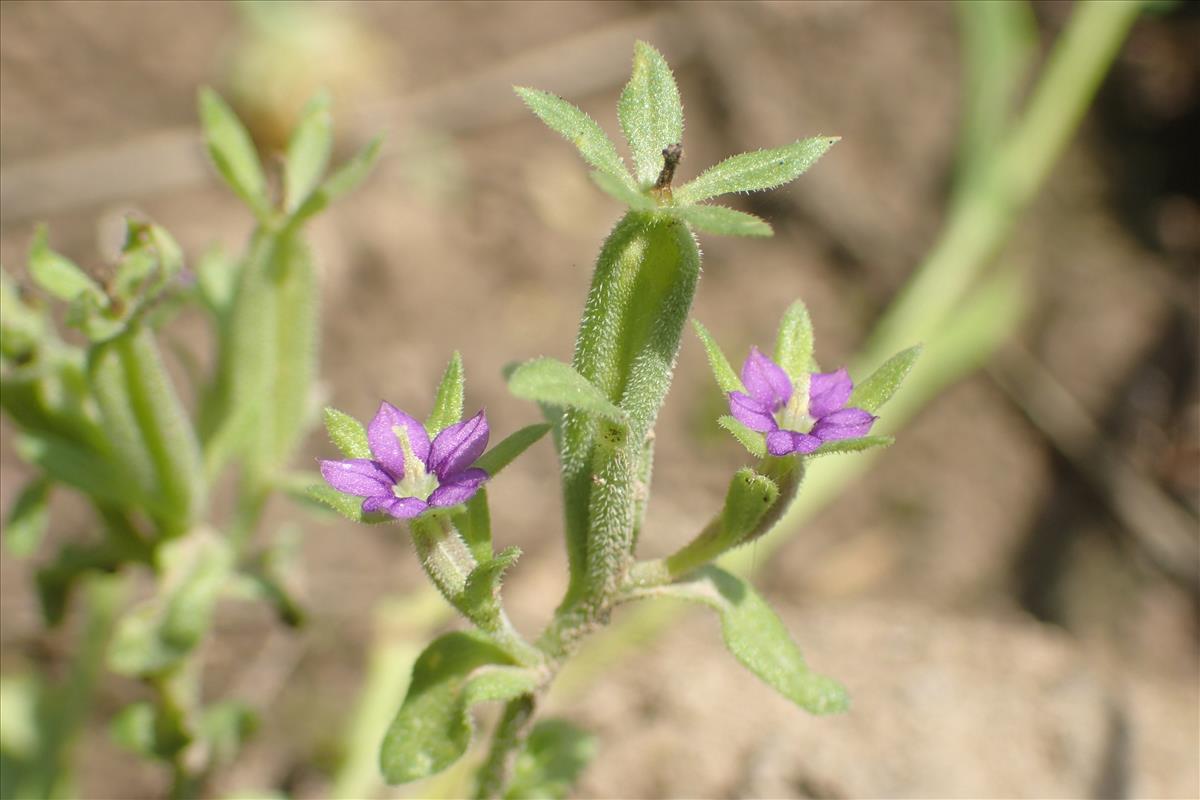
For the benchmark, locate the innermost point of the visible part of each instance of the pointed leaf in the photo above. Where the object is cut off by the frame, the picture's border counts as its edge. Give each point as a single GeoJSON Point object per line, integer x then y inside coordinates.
{"type": "Point", "coordinates": [26, 523]}
{"type": "Point", "coordinates": [512, 446]}
{"type": "Point", "coordinates": [554, 755]}
{"type": "Point", "coordinates": [347, 505]}
{"type": "Point", "coordinates": [308, 152]}
{"type": "Point", "coordinates": [623, 192]}
{"type": "Point", "coordinates": [753, 441]}
{"type": "Point", "coordinates": [344, 180]}
{"type": "Point", "coordinates": [758, 639]}
{"type": "Point", "coordinates": [548, 380]}
{"type": "Point", "coordinates": [852, 445]}
{"type": "Point", "coordinates": [751, 172]}
{"type": "Point", "coordinates": [433, 727]}
{"type": "Point", "coordinates": [876, 390]}
{"type": "Point", "coordinates": [650, 111]}
{"type": "Point", "coordinates": [58, 275]}
{"type": "Point", "coordinates": [723, 221]}
{"type": "Point", "coordinates": [480, 599]}
{"type": "Point", "coordinates": [573, 124]}
{"type": "Point", "coordinates": [724, 374]}
{"type": "Point", "coordinates": [347, 434]}
{"type": "Point", "coordinates": [794, 344]}
{"type": "Point", "coordinates": [448, 405]}
{"type": "Point", "coordinates": [233, 152]}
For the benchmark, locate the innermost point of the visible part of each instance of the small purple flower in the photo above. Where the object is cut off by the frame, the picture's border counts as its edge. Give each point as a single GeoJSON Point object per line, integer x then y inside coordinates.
{"type": "Point", "coordinates": [793, 423]}
{"type": "Point", "coordinates": [409, 474]}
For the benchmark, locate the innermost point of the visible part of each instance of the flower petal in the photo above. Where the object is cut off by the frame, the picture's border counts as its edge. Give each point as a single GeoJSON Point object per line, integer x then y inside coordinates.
{"type": "Point", "coordinates": [846, 423]}
{"type": "Point", "coordinates": [782, 443]}
{"type": "Point", "coordinates": [357, 476]}
{"type": "Point", "coordinates": [459, 489]}
{"type": "Point", "coordinates": [458, 445]}
{"type": "Point", "coordinates": [398, 507]}
{"type": "Point", "coordinates": [828, 391]}
{"type": "Point", "coordinates": [750, 412]}
{"type": "Point", "coordinates": [381, 435]}
{"type": "Point", "coordinates": [766, 381]}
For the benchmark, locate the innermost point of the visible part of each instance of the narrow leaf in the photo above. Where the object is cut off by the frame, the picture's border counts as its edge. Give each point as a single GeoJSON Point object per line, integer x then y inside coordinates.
{"type": "Point", "coordinates": [753, 441]}
{"type": "Point", "coordinates": [752, 172]}
{"type": "Point", "coordinates": [308, 152]}
{"type": "Point", "coordinates": [342, 181]}
{"type": "Point", "coordinates": [57, 274]}
{"type": "Point", "coordinates": [548, 380]}
{"type": "Point", "coordinates": [573, 124]}
{"type": "Point", "coordinates": [480, 599]}
{"type": "Point", "coordinates": [26, 523]}
{"type": "Point", "coordinates": [622, 192]}
{"type": "Point", "coordinates": [448, 404]}
{"type": "Point", "coordinates": [852, 445]}
{"type": "Point", "coordinates": [723, 221]}
{"type": "Point", "coordinates": [876, 390]}
{"type": "Point", "coordinates": [794, 344]}
{"type": "Point", "coordinates": [512, 446]}
{"type": "Point", "coordinates": [347, 434]}
{"type": "Point", "coordinates": [724, 374]}
{"type": "Point", "coordinates": [554, 756]}
{"type": "Point", "coordinates": [347, 505]}
{"type": "Point", "coordinates": [650, 111]}
{"type": "Point", "coordinates": [758, 639]}
{"type": "Point", "coordinates": [233, 152]}
{"type": "Point", "coordinates": [83, 469]}
{"type": "Point", "coordinates": [433, 728]}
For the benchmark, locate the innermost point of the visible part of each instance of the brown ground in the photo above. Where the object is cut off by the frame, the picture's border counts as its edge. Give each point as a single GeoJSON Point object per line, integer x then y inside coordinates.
{"type": "Point", "coordinates": [1001, 633]}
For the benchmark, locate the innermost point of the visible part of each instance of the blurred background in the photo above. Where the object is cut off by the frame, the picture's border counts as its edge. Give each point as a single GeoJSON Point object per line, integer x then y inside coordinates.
{"type": "Point", "coordinates": [1010, 592]}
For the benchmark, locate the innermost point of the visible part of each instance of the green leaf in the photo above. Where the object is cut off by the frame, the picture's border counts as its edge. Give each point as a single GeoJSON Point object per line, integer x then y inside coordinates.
{"type": "Point", "coordinates": [308, 152]}
{"type": "Point", "coordinates": [758, 639]}
{"type": "Point", "coordinates": [58, 275]}
{"type": "Point", "coordinates": [233, 152]}
{"type": "Point", "coordinates": [347, 505]}
{"type": "Point", "coordinates": [722, 221]}
{"type": "Point", "coordinates": [158, 634]}
{"type": "Point", "coordinates": [852, 445]}
{"type": "Point", "coordinates": [754, 442]}
{"type": "Point", "coordinates": [475, 524]}
{"type": "Point", "coordinates": [433, 727]}
{"type": "Point", "coordinates": [135, 728]}
{"type": "Point", "coordinates": [554, 756]}
{"type": "Point", "coordinates": [448, 405]}
{"type": "Point", "coordinates": [216, 278]}
{"type": "Point", "coordinates": [22, 325]}
{"type": "Point", "coordinates": [480, 599]}
{"type": "Point", "coordinates": [752, 172]}
{"type": "Point", "coordinates": [342, 181]}
{"type": "Point", "coordinates": [347, 434]}
{"type": "Point", "coordinates": [548, 380]}
{"type": "Point", "coordinates": [622, 192]}
{"type": "Point", "coordinates": [726, 378]}
{"type": "Point", "coordinates": [226, 726]}
{"type": "Point", "coordinates": [82, 469]}
{"type": "Point", "coordinates": [579, 129]}
{"type": "Point", "coordinates": [876, 390]}
{"type": "Point", "coordinates": [650, 111]}
{"type": "Point", "coordinates": [26, 523]}
{"type": "Point", "coordinates": [794, 344]}
{"type": "Point", "coordinates": [512, 446]}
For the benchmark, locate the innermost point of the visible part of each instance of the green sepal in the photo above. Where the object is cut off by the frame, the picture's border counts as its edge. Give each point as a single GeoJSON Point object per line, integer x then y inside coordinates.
{"type": "Point", "coordinates": [158, 634]}
{"type": "Point", "coordinates": [752, 172]}
{"type": "Point", "coordinates": [348, 505]}
{"type": "Point", "coordinates": [474, 524]}
{"type": "Point", "coordinates": [758, 639]}
{"type": "Point", "coordinates": [550, 381]}
{"type": "Point", "coordinates": [233, 152]}
{"type": "Point", "coordinates": [433, 727]}
{"type": "Point", "coordinates": [748, 498]}
{"type": "Point", "coordinates": [876, 390]}
{"type": "Point", "coordinates": [28, 517]}
{"type": "Point", "coordinates": [59, 276]}
{"type": "Point", "coordinates": [722, 221]}
{"type": "Point", "coordinates": [794, 343]}
{"type": "Point", "coordinates": [754, 442]}
{"type": "Point", "coordinates": [308, 152]}
{"type": "Point", "coordinates": [618, 189]}
{"type": "Point", "coordinates": [650, 111]}
{"type": "Point", "coordinates": [343, 180]}
{"type": "Point", "coordinates": [722, 371]}
{"type": "Point", "coordinates": [573, 124]}
{"type": "Point", "coordinates": [347, 434]}
{"type": "Point", "coordinates": [553, 757]}
{"type": "Point", "coordinates": [448, 404]}
{"type": "Point", "coordinates": [852, 445]}
{"type": "Point", "coordinates": [480, 600]}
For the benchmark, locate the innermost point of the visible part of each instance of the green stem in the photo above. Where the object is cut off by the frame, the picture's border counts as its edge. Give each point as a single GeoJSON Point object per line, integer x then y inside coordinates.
{"type": "Point", "coordinates": [514, 726]}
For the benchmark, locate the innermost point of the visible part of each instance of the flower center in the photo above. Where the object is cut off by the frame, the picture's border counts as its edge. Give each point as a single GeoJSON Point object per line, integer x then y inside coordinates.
{"type": "Point", "coordinates": [417, 482]}
{"type": "Point", "coordinates": [794, 416]}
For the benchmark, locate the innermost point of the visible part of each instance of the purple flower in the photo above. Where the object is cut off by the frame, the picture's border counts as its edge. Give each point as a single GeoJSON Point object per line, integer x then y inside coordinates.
{"type": "Point", "coordinates": [792, 422]}
{"type": "Point", "coordinates": [409, 474]}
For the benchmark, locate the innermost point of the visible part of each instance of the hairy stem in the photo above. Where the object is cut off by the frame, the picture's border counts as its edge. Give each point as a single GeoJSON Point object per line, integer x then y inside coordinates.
{"type": "Point", "coordinates": [514, 726]}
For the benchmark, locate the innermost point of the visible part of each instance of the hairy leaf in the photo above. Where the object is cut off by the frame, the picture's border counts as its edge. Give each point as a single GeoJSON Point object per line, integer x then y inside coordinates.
{"type": "Point", "coordinates": [347, 505]}
{"type": "Point", "coordinates": [308, 152]}
{"type": "Point", "coordinates": [480, 602]}
{"type": "Point", "coordinates": [623, 192]}
{"type": "Point", "coordinates": [233, 152]}
{"type": "Point", "coordinates": [883, 383]}
{"type": "Point", "coordinates": [342, 181]}
{"type": "Point", "coordinates": [794, 344]}
{"type": "Point", "coordinates": [548, 380]}
{"type": "Point", "coordinates": [751, 172]}
{"type": "Point", "coordinates": [722, 221]}
{"type": "Point", "coordinates": [578, 128]}
{"type": "Point", "coordinates": [852, 445]}
{"type": "Point", "coordinates": [58, 275]}
{"type": "Point", "coordinates": [554, 755]}
{"type": "Point", "coordinates": [510, 447]}
{"type": "Point", "coordinates": [448, 404]}
{"type": "Point", "coordinates": [650, 111]}
{"type": "Point", "coordinates": [754, 442]}
{"type": "Point", "coordinates": [347, 434]}
{"type": "Point", "coordinates": [724, 374]}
